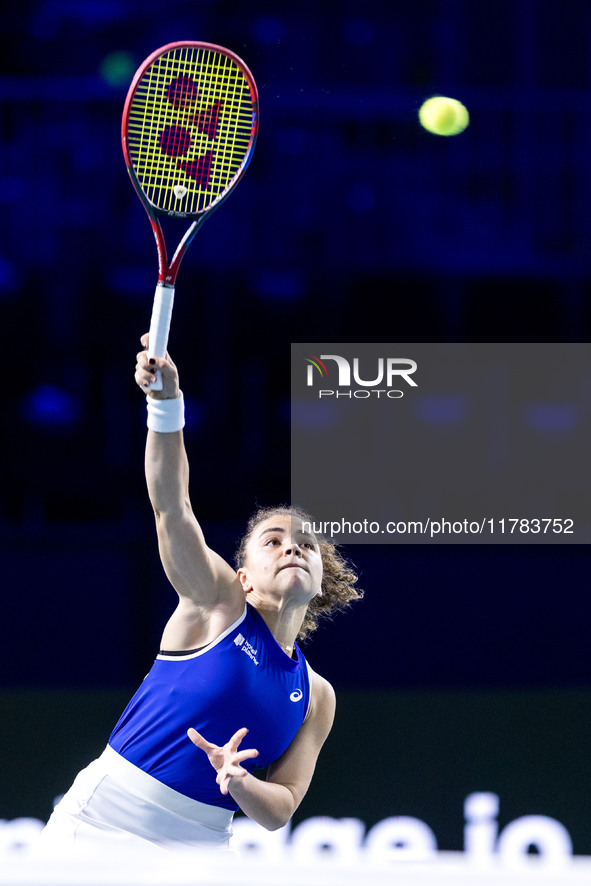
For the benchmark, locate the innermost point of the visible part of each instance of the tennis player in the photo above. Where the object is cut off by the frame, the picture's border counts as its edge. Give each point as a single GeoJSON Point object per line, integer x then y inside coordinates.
{"type": "Point", "coordinates": [230, 690]}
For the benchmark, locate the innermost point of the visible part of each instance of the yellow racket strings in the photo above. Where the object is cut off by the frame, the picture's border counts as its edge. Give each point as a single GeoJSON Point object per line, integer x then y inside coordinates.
{"type": "Point", "coordinates": [190, 127]}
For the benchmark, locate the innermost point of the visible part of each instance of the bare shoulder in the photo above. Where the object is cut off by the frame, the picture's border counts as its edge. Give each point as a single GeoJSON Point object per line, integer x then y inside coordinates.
{"type": "Point", "coordinates": [322, 702]}
{"type": "Point", "coordinates": [194, 623]}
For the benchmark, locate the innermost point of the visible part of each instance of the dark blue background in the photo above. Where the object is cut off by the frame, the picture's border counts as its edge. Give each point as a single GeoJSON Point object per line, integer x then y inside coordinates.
{"type": "Point", "coordinates": [352, 224]}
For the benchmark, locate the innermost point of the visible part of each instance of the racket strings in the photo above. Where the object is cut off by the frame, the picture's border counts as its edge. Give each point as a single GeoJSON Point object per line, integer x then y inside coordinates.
{"type": "Point", "coordinates": [190, 128]}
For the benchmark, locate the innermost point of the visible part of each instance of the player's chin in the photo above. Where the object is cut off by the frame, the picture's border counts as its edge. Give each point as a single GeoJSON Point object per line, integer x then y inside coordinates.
{"type": "Point", "coordinates": [304, 590]}
{"type": "Point", "coordinates": [294, 578]}
{"type": "Point", "coordinates": [296, 570]}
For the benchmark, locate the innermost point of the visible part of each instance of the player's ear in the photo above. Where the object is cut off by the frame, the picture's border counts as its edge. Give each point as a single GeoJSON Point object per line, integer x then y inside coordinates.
{"type": "Point", "coordinates": [244, 580]}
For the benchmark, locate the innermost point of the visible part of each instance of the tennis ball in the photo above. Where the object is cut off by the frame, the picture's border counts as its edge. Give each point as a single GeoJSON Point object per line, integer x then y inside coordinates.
{"type": "Point", "coordinates": [443, 116]}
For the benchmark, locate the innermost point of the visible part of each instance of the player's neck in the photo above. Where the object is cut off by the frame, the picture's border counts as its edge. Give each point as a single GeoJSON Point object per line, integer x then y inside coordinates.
{"type": "Point", "coordinates": [284, 623]}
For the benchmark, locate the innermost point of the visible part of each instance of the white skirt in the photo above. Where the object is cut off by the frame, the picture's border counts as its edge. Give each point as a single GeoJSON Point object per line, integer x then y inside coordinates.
{"type": "Point", "coordinates": [113, 804]}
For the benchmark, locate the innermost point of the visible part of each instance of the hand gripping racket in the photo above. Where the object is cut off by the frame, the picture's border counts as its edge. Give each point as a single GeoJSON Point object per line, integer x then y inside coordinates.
{"type": "Point", "coordinates": [189, 127]}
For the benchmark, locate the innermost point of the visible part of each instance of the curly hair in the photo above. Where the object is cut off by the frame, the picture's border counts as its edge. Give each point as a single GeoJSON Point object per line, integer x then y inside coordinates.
{"type": "Point", "coordinates": [338, 575]}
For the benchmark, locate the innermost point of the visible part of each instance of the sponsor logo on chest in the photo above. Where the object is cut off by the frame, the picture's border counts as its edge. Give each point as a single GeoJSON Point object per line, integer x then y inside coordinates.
{"type": "Point", "coordinates": [245, 646]}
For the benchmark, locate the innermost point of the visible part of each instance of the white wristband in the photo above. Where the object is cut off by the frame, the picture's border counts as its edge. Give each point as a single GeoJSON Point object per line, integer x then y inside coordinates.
{"type": "Point", "coordinates": [166, 416]}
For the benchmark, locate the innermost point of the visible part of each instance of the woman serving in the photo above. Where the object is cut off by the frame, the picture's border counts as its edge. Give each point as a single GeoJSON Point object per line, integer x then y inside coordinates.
{"type": "Point", "coordinates": [230, 690]}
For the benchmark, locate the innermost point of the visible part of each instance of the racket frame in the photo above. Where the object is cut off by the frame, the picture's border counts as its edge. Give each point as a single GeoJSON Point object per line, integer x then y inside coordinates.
{"type": "Point", "coordinates": [167, 272]}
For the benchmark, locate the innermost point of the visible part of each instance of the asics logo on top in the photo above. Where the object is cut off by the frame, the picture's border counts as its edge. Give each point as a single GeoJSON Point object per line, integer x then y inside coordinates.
{"type": "Point", "coordinates": [296, 695]}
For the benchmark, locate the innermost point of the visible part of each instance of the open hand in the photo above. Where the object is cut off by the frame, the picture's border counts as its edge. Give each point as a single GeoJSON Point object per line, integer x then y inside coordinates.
{"type": "Point", "coordinates": [225, 760]}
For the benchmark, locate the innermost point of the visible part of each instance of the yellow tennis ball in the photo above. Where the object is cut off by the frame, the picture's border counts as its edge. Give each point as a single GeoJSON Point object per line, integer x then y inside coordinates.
{"type": "Point", "coordinates": [443, 116]}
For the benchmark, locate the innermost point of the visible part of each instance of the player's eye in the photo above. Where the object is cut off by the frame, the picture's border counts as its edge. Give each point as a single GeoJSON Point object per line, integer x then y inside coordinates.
{"type": "Point", "coordinates": [306, 543]}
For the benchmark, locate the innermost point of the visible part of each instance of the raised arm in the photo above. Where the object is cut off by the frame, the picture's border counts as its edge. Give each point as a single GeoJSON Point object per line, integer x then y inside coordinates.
{"type": "Point", "coordinates": [200, 576]}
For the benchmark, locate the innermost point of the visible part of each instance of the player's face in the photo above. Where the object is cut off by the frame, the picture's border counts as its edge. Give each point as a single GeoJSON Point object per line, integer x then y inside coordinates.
{"type": "Point", "coordinates": [282, 558]}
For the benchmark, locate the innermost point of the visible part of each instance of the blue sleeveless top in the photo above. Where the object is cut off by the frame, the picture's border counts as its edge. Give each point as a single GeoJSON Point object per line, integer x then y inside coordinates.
{"type": "Point", "coordinates": [241, 679]}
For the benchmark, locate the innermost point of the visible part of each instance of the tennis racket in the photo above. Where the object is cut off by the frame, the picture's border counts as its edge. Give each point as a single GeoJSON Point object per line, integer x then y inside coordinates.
{"type": "Point", "coordinates": [188, 132]}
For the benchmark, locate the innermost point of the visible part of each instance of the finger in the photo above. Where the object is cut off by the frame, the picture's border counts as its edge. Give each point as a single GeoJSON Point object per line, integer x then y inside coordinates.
{"type": "Point", "coordinates": [144, 366]}
{"type": "Point", "coordinates": [150, 364]}
{"type": "Point", "coordinates": [229, 772]}
{"type": "Point", "coordinates": [142, 369]}
{"type": "Point", "coordinates": [143, 359]}
{"type": "Point", "coordinates": [224, 775]}
{"type": "Point", "coordinates": [223, 787]}
{"type": "Point", "coordinates": [236, 739]}
{"type": "Point", "coordinates": [143, 378]}
{"type": "Point", "coordinates": [145, 339]}
{"type": "Point", "coordinates": [245, 755]}
{"type": "Point", "coordinates": [199, 741]}
{"type": "Point", "coordinates": [142, 382]}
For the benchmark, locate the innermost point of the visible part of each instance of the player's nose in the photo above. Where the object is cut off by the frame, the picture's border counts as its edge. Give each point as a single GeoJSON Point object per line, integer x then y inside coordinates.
{"type": "Point", "coordinates": [292, 547]}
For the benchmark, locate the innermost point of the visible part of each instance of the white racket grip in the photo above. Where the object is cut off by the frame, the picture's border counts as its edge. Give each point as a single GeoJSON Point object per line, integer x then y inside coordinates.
{"type": "Point", "coordinates": [160, 327]}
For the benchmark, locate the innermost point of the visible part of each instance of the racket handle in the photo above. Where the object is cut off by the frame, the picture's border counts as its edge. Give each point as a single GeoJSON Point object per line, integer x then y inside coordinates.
{"type": "Point", "coordinates": [160, 327]}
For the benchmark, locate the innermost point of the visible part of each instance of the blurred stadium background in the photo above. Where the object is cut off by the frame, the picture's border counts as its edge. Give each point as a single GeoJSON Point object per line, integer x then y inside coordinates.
{"type": "Point", "coordinates": [470, 665]}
